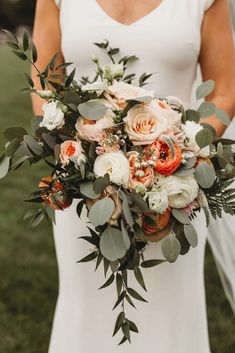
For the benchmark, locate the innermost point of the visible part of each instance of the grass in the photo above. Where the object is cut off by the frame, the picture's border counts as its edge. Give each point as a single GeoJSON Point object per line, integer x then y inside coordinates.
{"type": "Point", "coordinates": [28, 285]}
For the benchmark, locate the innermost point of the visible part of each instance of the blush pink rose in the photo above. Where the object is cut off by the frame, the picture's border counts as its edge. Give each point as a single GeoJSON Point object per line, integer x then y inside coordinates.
{"type": "Point", "coordinates": [69, 149]}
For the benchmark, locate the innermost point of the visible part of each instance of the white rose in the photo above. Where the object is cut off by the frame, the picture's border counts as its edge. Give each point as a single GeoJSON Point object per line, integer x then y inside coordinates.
{"type": "Point", "coordinates": [124, 91]}
{"type": "Point", "coordinates": [112, 71]}
{"type": "Point", "coordinates": [181, 191]}
{"type": "Point", "coordinates": [53, 116]}
{"type": "Point", "coordinates": [191, 129]}
{"type": "Point", "coordinates": [157, 200]}
{"type": "Point", "coordinates": [145, 124]}
{"type": "Point", "coordinates": [115, 164]}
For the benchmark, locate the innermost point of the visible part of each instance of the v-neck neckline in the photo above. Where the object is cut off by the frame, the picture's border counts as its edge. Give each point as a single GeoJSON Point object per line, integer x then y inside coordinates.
{"type": "Point", "coordinates": [157, 9]}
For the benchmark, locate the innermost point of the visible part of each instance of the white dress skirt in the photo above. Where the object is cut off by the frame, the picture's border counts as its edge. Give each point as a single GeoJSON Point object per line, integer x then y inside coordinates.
{"type": "Point", "coordinates": [167, 42]}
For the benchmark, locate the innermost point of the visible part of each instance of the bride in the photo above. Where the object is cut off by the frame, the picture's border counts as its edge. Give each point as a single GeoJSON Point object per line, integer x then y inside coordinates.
{"type": "Point", "coordinates": [170, 37]}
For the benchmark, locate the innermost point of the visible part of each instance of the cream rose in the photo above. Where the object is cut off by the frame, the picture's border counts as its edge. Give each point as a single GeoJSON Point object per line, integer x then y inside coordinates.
{"type": "Point", "coordinates": [53, 117]}
{"type": "Point", "coordinates": [181, 191]}
{"type": "Point", "coordinates": [93, 130]}
{"type": "Point", "coordinates": [164, 109]}
{"type": "Point", "coordinates": [157, 200]}
{"type": "Point", "coordinates": [144, 124]}
{"type": "Point", "coordinates": [191, 129]}
{"type": "Point", "coordinates": [71, 150]}
{"type": "Point", "coordinates": [115, 164]}
{"type": "Point", "coordinates": [123, 91]}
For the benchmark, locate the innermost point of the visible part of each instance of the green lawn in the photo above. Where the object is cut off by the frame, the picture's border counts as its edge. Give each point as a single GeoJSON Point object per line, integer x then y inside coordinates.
{"type": "Point", "coordinates": [28, 284]}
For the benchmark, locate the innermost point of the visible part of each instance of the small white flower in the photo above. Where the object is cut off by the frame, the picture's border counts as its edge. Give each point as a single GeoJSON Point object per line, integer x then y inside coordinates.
{"type": "Point", "coordinates": [191, 129]}
{"type": "Point", "coordinates": [157, 200]}
{"type": "Point", "coordinates": [181, 191]}
{"type": "Point", "coordinates": [139, 173]}
{"type": "Point", "coordinates": [115, 164]}
{"type": "Point", "coordinates": [112, 71]}
{"type": "Point", "coordinates": [45, 94]}
{"type": "Point", "coordinates": [53, 117]}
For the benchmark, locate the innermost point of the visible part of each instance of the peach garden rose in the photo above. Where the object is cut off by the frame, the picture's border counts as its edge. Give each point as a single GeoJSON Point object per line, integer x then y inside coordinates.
{"type": "Point", "coordinates": [71, 149]}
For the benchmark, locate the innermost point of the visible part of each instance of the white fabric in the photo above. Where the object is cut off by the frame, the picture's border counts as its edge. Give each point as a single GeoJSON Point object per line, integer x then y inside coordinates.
{"type": "Point", "coordinates": [168, 42]}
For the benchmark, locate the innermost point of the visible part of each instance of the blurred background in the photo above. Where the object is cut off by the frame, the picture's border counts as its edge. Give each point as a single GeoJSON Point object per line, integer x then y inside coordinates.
{"type": "Point", "coordinates": [28, 280]}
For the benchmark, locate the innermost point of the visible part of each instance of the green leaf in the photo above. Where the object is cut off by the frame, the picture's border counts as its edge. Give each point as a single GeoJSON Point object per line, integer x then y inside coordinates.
{"type": "Point", "coordinates": [14, 132]}
{"type": "Point", "coordinates": [53, 61]}
{"type": "Point", "coordinates": [12, 147]}
{"type": "Point", "coordinates": [70, 78]}
{"type": "Point", "coordinates": [181, 216]}
{"type": "Point", "coordinates": [51, 213]}
{"type": "Point", "coordinates": [108, 282]}
{"type": "Point", "coordinates": [101, 183]}
{"type": "Point", "coordinates": [120, 299]}
{"type": "Point", "coordinates": [30, 81]}
{"type": "Point", "coordinates": [101, 212]}
{"type": "Point", "coordinates": [13, 45]}
{"type": "Point", "coordinates": [222, 116]}
{"type": "Point", "coordinates": [119, 283]}
{"type": "Point", "coordinates": [220, 149]}
{"type": "Point", "coordinates": [34, 53]}
{"type": "Point", "coordinates": [112, 245]}
{"type": "Point", "coordinates": [93, 109]}
{"type": "Point", "coordinates": [191, 234]}
{"type": "Point", "coordinates": [125, 236]}
{"type": "Point", "coordinates": [139, 201]}
{"type": "Point", "coordinates": [171, 248]}
{"type": "Point", "coordinates": [89, 257]}
{"type": "Point", "coordinates": [4, 167]}
{"type": "Point", "coordinates": [129, 300]}
{"type": "Point", "coordinates": [79, 208]}
{"type": "Point", "coordinates": [205, 89]}
{"type": "Point", "coordinates": [135, 294]}
{"type": "Point", "coordinates": [204, 137]}
{"type": "Point", "coordinates": [25, 41]}
{"type": "Point", "coordinates": [192, 115]}
{"type": "Point", "coordinates": [151, 263]}
{"type": "Point", "coordinates": [206, 109]}
{"type": "Point", "coordinates": [87, 190]}
{"type": "Point", "coordinates": [139, 277]}
{"type": "Point", "coordinates": [119, 321]}
{"type": "Point", "coordinates": [49, 139]}
{"type": "Point", "coordinates": [33, 145]}
{"type": "Point", "coordinates": [205, 175]}
{"type": "Point", "coordinates": [20, 55]}
{"type": "Point", "coordinates": [126, 331]}
{"type": "Point", "coordinates": [133, 326]}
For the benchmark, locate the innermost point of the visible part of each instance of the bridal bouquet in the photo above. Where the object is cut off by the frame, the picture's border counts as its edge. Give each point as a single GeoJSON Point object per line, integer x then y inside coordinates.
{"type": "Point", "coordinates": [142, 166]}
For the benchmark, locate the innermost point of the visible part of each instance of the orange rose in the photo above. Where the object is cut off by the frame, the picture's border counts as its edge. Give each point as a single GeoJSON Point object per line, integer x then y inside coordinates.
{"type": "Point", "coordinates": [53, 196]}
{"type": "Point", "coordinates": [141, 175]}
{"type": "Point", "coordinates": [160, 220]}
{"type": "Point", "coordinates": [165, 164]}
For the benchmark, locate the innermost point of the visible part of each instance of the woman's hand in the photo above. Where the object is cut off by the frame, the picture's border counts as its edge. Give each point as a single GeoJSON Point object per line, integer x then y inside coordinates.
{"type": "Point", "coordinates": [47, 38]}
{"type": "Point", "coordinates": [217, 59]}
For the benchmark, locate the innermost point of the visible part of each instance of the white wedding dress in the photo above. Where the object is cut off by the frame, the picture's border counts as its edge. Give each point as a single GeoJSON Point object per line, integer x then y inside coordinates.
{"type": "Point", "coordinates": [174, 320]}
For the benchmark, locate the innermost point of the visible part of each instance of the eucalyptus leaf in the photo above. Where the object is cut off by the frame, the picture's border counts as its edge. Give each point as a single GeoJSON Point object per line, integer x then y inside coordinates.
{"type": "Point", "coordinates": [222, 116]}
{"type": "Point", "coordinates": [192, 115]}
{"type": "Point", "coordinates": [112, 245]}
{"type": "Point", "coordinates": [87, 190]}
{"type": "Point", "coordinates": [181, 216]}
{"type": "Point", "coordinates": [151, 263]}
{"type": "Point", "coordinates": [206, 109]}
{"type": "Point", "coordinates": [119, 321]}
{"type": "Point", "coordinates": [139, 201]}
{"type": "Point", "coordinates": [171, 248]}
{"type": "Point", "coordinates": [14, 132]}
{"type": "Point", "coordinates": [205, 89]}
{"type": "Point", "coordinates": [101, 212]}
{"type": "Point", "coordinates": [135, 294]}
{"type": "Point", "coordinates": [127, 213]}
{"type": "Point", "coordinates": [101, 183]}
{"type": "Point", "coordinates": [12, 147]}
{"type": "Point", "coordinates": [92, 110]}
{"type": "Point", "coordinates": [125, 236]}
{"type": "Point", "coordinates": [4, 166]}
{"type": "Point", "coordinates": [205, 175]}
{"type": "Point", "coordinates": [33, 145]}
{"type": "Point", "coordinates": [204, 137]}
{"type": "Point", "coordinates": [191, 234]}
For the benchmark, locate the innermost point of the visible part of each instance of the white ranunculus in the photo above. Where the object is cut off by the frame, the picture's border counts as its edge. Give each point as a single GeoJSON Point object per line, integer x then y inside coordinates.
{"type": "Point", "coordinates": [46, 94]}
{"type": "Point", "coordinates": [157, 200]}
{"type": "Point", "coordinates": [53, 117]}
{"type": "Point", "coordinates": [115, 164]}
{"type": "Point", "coordinates": [191, 129]}
{"type": "Point", "coordinates": [124, 91]}
{"type": "Point", "coordinates": [181, 191]}
{"type": "Point", "coordinates": [112, 71]}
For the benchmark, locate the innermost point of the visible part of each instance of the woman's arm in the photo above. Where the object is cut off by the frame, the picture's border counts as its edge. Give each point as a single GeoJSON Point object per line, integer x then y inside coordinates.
{"type": "Point", "coordinates": [217, 59]}
{"type": "Point", "coordinates": [47, 38]}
